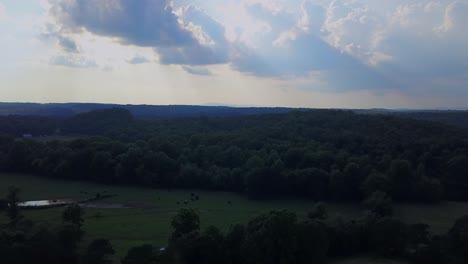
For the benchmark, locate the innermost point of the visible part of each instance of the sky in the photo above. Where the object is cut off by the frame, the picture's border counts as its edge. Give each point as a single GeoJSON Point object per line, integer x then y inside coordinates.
{"type": "Point", "coordinates": [297, 53]}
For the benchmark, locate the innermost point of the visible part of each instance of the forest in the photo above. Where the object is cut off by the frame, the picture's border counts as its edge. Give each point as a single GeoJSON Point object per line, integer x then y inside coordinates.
{"type": "Point", "coordinates": [319, 154]}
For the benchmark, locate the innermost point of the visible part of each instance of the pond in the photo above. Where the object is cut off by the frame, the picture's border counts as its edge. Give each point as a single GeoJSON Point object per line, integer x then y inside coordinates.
{"type": "Point", "coordinates": [63, 202]}
{"type": "Point", "coordinates": [44, 203]}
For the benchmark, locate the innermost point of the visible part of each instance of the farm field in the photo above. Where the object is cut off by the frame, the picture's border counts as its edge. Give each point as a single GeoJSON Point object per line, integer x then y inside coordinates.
{"type": "Point", "coordinates": [149, 211]}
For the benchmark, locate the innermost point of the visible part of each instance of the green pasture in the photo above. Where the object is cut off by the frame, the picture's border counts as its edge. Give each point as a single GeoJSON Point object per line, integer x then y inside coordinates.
{"type": "Point", "coordinates": [147, 220]}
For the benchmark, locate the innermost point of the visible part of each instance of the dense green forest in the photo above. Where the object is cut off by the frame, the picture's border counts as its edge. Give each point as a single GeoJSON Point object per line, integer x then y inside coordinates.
{"type": "Point", "coordinates": [318, 154]}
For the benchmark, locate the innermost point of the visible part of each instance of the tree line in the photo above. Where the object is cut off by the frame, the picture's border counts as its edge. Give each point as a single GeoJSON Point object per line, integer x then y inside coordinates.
{"type": "Point", "coordinates": [276, 237]}
{"type": "Point", "coordinates": [321, 154]}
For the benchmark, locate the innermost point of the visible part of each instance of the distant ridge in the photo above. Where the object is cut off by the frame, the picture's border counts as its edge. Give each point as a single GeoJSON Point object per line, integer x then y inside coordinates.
{"type": "Point", "coordinates": [149, 111]}
{"type": "Point", "coordinates": [457, 118]}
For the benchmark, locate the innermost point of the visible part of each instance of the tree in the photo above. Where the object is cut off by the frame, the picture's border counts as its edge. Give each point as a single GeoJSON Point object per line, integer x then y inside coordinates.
{"type": "Point", "coordinates": [310, 182]}
{"type": "Point", "coordinates": [258, 183]}
{"type": "Point", "coordinates": [346, 237]}
{"type": "Point", "coordinates": [429, 190]}
{"type": "Point", "coordinates": [69, 236]}
{"type": "Point", "coordinates": [376, 182]}
{"type": "Point", "coordinates": [42, 244]}
{"type": "Point", "coordinates": [19, 156]}
{"type": "Point", "coordinates": [234, 240]}
{"type": "Point", "coordinates": [456, 177]}
{"type": "Point", "coordinates": [379, 203]}
{"type": "Point", "coordinates": [418, 234]}
{"type": "Point", "coordinates": [12, 199]}
{"type": "Point", "coordinates": [144, 254]}
{"type": "Point", "coordinates": [73, 214]}
{"type": "Point", "coordinates": [3, 204]}
{"type": "Point", "coordinates": [458, 236]}
{"type": "Point", "coordinates": [389, 237]}
{"type": "Point", "coordinates": [186, 221]}
{"type": "Point", "coordinates": [99, 251]}
{"type": "Point", "coordinates": [312, 243]}
{"type": "Point", "coordinates": [319, 211]}
{"type": "Point", "coordinates": [212, 246]}
{"type": "Point", "coordinates": [70, 233]}
{"type": "Point", "coordinates": [271, 238]}
{"type": "Point", "coordinates": [338, 188]}
{"type": "Point", "coordinates": [401, 177]}
{"type": "Point", "coordinates": [354, 175]}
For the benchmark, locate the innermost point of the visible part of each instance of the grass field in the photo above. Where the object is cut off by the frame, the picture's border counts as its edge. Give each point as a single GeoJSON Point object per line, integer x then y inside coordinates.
{"type": "Point", "coordinates": [367, 260]}
{"type": "Point", "coordinates": [149, 219]}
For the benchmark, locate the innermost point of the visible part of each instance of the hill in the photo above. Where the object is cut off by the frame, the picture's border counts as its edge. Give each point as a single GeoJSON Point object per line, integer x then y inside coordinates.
{"type": "Point", "coordinates": [148, 111]}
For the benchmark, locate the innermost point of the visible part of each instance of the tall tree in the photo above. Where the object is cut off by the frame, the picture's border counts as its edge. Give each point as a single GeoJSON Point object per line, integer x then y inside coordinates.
{"type": "Point", "coordinates": [99, 251]}
{"type": "Point", "coordinates": [12, 199]}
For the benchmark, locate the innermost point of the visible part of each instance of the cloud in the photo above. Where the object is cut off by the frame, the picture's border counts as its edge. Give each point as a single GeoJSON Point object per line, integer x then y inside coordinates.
{"type": "Point", "coordinates": [455, 21]}
{"type": "Point", "coordinates": [142, 23]}
{"type": "Point", "coordinates": [419, 44]}
{"type": "Point", "coordinates": [72, 62]}
{"type": "Point", "coordinates": [190, 37]}
{"type": "Point", "coordinates": [67, 44]}
{"type": "Point", "coordinates": [409, 45]}
{"type": "Point", "coordinates": [3, 12]}
{"type": "Point", "coordinates": [138, 60]}
{"type": "Point", "coordinates": [312, 18]}
{"type": "Point", "coordinates": [354, 28]}
{"type": "Point", "coordinates": [429, 46]}
{"type": "Point", "coordinates": [278, 20]}
{"type": "Point", "coordinates": [197, 71]}
{"type": "Point", "coordinates": [211, 47]}
{"type": "Point", "coordinates": [301, 50]}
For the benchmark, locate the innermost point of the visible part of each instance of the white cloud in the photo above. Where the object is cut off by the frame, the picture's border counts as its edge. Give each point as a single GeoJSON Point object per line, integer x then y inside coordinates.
{"type": "Point", "coordinates": [455, 20]}
{"type": "Point", "coordinates": [416, 43]}
{"type": "Point", "coordinates": [3, 12]}
{"type": "Point", "coordinates": [353, 27]}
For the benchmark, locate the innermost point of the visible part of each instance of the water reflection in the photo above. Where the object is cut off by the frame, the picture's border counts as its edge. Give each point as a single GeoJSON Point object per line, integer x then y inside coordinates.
{"type": "Point", "coordinates": [44, 203]}
{"type": "Point", "coordinates": [63, 202]}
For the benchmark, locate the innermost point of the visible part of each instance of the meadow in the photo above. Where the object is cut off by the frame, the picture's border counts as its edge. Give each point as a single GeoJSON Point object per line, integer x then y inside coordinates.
{"type": "Point", "coordinates": [149, 212]}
